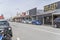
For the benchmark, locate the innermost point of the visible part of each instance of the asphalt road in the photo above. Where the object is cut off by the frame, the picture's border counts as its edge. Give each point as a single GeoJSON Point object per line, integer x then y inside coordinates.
{"type": "Point", "coordinates": [34, 32]}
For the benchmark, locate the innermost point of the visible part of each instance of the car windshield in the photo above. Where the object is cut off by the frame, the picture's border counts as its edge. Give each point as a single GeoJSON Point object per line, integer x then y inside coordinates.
{"type": "Point", "coordinates": [4, 23]}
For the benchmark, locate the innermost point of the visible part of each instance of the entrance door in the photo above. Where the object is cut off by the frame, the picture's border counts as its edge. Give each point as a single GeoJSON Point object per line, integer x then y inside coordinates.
{"type": "Point", "coordinates": [48, 20]}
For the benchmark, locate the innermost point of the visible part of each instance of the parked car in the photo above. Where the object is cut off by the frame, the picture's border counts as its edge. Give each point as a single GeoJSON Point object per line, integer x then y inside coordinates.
{"type": "Point", "coordinates": [57, 22]}
{"type": "Point", "coordinates": [23, 21]}
{"type": "Point", "coordinates": [28, 21]}
{"type": "Point", "coordinates": [36, 22]}
{"type": "Point", "coordinates": [5, 29]}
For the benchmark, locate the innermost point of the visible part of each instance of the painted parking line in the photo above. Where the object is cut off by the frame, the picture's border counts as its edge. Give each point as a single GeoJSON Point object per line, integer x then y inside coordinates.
{"type": "Point", "coordinates": [18, 38]}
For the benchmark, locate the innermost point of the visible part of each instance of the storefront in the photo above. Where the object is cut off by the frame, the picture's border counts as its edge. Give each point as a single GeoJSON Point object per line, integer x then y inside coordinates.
{"type": "Point", "coordinates": [16, 19]}
{"type": "Point", "coordinates": [32, 13]}
{"type": "Point", "coordinates": [51, 11]}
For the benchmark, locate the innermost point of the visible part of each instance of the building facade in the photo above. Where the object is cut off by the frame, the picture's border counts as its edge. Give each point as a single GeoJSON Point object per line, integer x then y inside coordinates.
{"type": "Point", "coordinates": [51, 11]}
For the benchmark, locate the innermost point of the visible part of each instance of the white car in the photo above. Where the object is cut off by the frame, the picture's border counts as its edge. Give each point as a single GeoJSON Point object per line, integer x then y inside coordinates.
{"type": "Point", "coordinates": [28, 21]}
{"type": "Point", "coordinates": [23, 21]}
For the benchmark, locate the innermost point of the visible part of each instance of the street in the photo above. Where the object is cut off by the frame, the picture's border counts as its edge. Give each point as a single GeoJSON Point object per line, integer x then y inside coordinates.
{"type": "Point", "coordinates": [34, 32]}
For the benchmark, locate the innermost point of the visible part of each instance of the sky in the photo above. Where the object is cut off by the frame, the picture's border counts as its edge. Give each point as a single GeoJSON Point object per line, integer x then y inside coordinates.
{"type": "Point", "coordinates": [9, 8]}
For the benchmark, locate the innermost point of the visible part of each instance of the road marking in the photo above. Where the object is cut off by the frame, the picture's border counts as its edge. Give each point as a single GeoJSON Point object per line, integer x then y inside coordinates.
{"type": "Point", "coordinates": [46, 31]}
{"type": "Point", "coordinates": [18, 38]}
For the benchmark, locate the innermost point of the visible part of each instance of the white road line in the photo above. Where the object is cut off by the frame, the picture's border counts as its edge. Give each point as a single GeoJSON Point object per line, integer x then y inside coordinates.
{"type": "Point", "coordinates": [18, 38]}
{"type": "Point", "coordinates": [47, 31]}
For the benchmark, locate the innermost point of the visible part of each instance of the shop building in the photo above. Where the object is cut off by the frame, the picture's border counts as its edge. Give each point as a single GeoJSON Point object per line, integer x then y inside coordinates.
{"type": "Point", "coordinates": [39, 15]}
{"type": "Point", "coordinates": [51, 12]}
